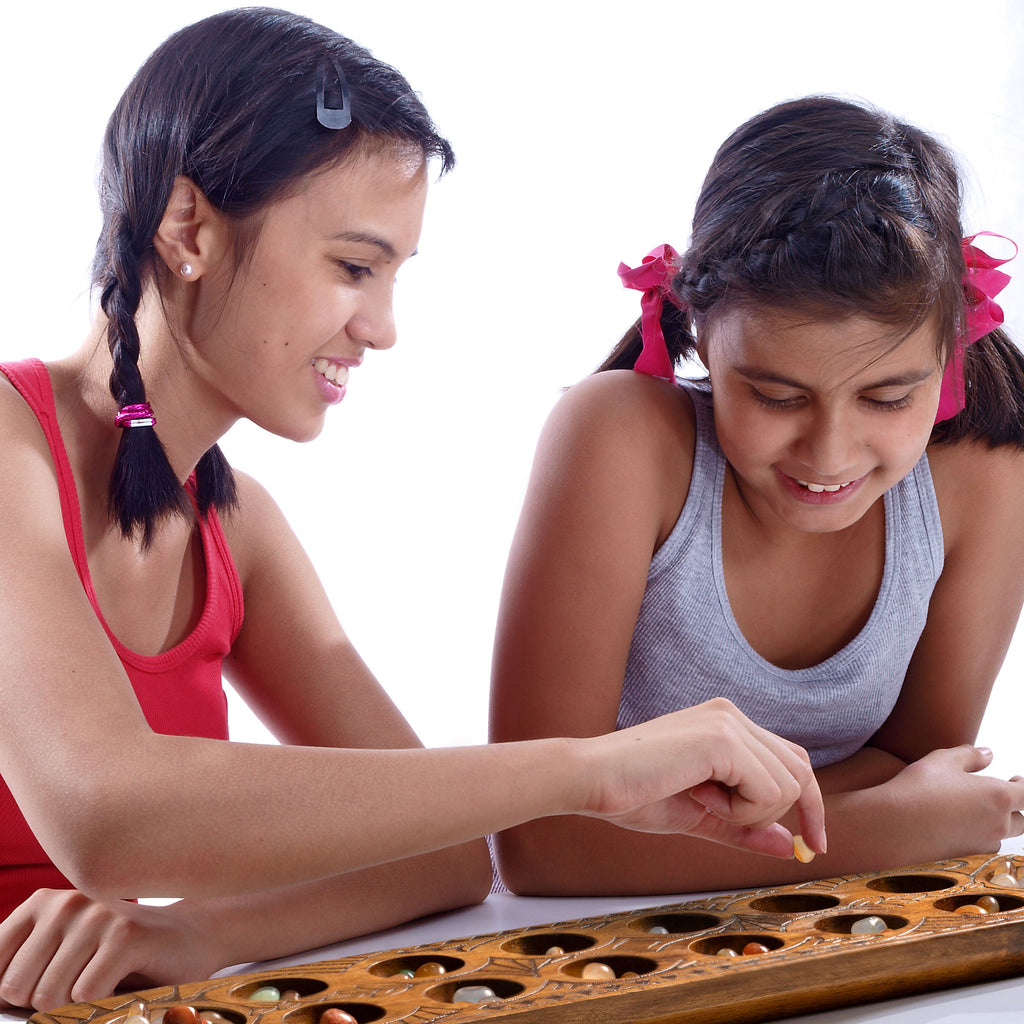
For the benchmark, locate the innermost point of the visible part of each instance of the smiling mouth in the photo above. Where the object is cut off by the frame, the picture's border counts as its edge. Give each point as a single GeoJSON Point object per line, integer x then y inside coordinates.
{"type": "Point", "coordinates": [819, 488]}
{"type": "Point", "coordinates": [334, 372]}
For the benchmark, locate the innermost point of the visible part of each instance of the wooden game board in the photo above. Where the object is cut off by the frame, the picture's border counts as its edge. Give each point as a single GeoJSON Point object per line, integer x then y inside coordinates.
{"type": "Point", "coordinates": [813, 961]}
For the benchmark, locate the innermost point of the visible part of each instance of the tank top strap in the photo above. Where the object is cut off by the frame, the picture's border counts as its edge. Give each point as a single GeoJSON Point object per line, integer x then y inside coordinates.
{"type": "Point", "coordinates": [31, 379]}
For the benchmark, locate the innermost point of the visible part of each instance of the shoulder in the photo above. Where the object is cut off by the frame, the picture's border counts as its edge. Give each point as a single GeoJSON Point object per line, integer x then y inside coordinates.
{"type": "Point", "coordinates": [25, 448]}
{"type": "Point", "coordinates": [14, 410]}
{"type": "Point", "coordinates": [979, 490]}
{"type": "Point", "coordinates": [620, 432]}
{"type": "Point", "coordinates": [254, 527]}
{"type": "Point", "coordinates": [620, 409]}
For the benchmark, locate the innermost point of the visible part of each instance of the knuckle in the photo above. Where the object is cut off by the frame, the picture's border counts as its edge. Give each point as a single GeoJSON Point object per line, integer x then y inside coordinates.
{"type": "Point", "coordinates": [44, 998]}
{"type": "Point", "coordinates": [11, 991]}
{"type": "Point", "coordinates": [122, 931]}
{"type": "Point", "coordinates": [723, 707]}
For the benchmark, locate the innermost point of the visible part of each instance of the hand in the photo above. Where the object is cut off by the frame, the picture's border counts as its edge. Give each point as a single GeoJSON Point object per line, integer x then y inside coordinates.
{"type": "Point", "coordinates": [955, 809]}
{"type": "Point", "coordinates": [60, 946]}
{"type": "Point", "coordinates": [708, 771]}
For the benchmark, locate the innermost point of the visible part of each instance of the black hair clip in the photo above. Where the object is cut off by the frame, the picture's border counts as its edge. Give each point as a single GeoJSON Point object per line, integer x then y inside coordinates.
{"type": "Point", "coordinates": [332, 117]}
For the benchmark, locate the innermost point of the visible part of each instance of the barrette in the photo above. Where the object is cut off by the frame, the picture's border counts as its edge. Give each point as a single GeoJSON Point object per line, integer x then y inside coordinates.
{"type": "Point", "coordinates": [332, 117]}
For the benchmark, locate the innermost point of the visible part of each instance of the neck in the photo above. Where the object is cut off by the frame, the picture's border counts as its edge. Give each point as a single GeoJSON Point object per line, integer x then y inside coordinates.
{"type": "Point", "coordinates": [189, 417]}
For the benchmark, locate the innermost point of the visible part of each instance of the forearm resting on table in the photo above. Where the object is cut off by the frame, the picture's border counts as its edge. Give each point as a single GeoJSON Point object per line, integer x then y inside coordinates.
{"type": "Point", "coordinates": [578, 856]}
{"type": "Point", "coordinates": [293, 919]}
{"type": "Point", "coordinates": [870, 766]}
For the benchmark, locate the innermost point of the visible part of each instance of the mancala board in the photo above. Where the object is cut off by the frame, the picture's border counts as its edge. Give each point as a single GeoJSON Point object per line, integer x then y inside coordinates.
{"type": "Point", "coordinates": [660, 965]}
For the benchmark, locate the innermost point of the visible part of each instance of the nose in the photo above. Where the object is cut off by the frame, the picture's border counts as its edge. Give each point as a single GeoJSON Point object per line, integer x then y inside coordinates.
{"type": "Point", "coordinates": [373, 323]}
{"type": "Point", "coordinates": [828, 444]}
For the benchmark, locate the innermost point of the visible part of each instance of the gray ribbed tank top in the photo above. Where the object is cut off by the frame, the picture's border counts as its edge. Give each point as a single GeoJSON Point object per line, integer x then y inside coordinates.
{"type": "Point", "coordinates": [687, 647]}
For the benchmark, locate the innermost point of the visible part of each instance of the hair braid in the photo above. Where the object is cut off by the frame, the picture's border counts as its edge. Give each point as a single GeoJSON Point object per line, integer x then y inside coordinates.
{"type": "Point", "coordinates": [143, 488]}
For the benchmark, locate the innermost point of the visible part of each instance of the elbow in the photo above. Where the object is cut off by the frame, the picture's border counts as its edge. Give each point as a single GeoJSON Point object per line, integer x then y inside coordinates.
{"type": "Point", "coordinates": [476, 874]}
{"type": "Point", "coordinates": [89, 835]}
{"type": "Point", "coordinates": [522, 871]}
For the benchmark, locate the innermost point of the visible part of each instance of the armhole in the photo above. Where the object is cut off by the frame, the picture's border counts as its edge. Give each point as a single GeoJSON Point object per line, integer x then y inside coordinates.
{"type": "Point", "coordinates": [700, 480]}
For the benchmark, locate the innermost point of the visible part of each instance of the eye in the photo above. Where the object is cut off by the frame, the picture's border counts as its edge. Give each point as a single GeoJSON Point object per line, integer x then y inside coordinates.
{"type": "Point", "coordinates": [775, 403]}
{"type": "Point", "coordinates": [889, 404]}
{"type": "Point", "coordinates": [354, 270]}
{"type": "Point", "coordinates": [890, 399]}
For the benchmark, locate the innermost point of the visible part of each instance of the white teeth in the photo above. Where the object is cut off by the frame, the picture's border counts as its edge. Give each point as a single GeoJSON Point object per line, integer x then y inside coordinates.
{"type": "Point", "coordinates": [818, 488]}
{"type": "Point", "coordinates": [332, 371]}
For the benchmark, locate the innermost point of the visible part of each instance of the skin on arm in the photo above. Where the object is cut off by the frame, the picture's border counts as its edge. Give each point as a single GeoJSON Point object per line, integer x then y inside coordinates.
{"type": "Point", "coordinates": [604, 493]}
{"type": "Point", "coordinates": [75, 796]}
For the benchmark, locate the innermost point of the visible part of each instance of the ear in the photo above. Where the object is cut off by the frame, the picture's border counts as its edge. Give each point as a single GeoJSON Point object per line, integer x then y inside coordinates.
{"type": "Point", "coordinates": [192, 236]}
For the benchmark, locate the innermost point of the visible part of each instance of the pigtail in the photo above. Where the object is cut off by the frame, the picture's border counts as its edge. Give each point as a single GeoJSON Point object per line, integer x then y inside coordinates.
{"type": "Point", "coordinates": [679, 341]}
{"type": "Point", "coordinates": [994, 394]}
{"type": "Point", "coordinates": [143, 488]}
{"type": "Point", "coordinates": [215, 482]}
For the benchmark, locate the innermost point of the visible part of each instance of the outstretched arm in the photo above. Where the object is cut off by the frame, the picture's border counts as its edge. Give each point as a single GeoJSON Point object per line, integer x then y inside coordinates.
{"type": "Point", "coordinates": [111, 776]}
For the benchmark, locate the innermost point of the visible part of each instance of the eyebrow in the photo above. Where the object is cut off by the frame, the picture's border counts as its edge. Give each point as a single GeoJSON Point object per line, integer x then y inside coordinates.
{"type": "Point", "coordinates": [911, 377]}
{"type": "Point", "coordinates": [365, 238]}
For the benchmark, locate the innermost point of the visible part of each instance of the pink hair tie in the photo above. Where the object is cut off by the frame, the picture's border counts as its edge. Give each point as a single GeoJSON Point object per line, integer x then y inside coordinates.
{"type": "Point", "coordinates": [140, 415]}
{"type": "Point", "coordinates": [982, 315]}
{"type": "Point", "coordinates": [652, 278]}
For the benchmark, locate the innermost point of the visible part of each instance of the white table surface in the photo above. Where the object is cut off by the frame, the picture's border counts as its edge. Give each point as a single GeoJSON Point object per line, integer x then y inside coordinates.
{"type": "Point", "coordinates": [999, 1002]}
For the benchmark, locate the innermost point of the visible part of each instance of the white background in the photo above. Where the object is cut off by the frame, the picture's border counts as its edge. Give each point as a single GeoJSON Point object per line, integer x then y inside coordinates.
{"type": "Point", "coordinates": [583, 133]}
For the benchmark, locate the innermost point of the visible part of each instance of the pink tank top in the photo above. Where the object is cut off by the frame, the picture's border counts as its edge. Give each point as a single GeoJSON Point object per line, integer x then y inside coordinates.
{"type": "Point", "coordinates": [180, 691]}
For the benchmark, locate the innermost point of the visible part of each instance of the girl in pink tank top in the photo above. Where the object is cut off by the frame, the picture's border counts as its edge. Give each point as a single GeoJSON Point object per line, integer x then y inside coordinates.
{"type": "Point", "coordinates": [263, 180]}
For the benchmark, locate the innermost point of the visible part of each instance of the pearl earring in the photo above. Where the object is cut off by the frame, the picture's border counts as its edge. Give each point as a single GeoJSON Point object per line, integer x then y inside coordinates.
{"type": "Point", "coordinates": [185, 269]}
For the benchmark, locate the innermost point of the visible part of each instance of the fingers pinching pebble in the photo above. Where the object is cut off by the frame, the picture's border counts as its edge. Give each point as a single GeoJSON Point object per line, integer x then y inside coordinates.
{"type": "Point", "coordinates": [802, 851]}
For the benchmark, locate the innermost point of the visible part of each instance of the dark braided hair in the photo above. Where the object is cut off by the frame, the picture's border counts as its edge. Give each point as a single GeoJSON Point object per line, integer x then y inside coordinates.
{"type": "Point", "coordinates": [833, 208]}
{"type": "Point", "coordinates": [230, 103]}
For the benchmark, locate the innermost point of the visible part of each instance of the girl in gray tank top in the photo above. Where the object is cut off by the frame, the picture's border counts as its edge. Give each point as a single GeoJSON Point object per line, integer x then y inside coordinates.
{"type": "Point", "coordinates": [824, 531]}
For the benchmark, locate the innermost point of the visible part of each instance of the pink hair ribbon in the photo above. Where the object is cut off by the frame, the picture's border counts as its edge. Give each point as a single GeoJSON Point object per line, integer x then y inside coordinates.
{"type": "Point", "coordinates": [652, 278]}
{"type": "Point", "coordinates": [982, 282]}
{"type": "Point", "coordinates": [140, 415]}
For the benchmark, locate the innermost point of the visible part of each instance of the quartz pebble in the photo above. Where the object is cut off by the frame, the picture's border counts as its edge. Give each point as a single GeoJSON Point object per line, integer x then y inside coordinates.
{"type": "Point", "coordinates": [1005, 879]}
{"type": "Point", "coordinates": [658, 929]}
{"type": "Point", "coordinates": [754, 949]}
{"type": "Point", "coordinates": [135, 1018]}
{"type": "Point", "coordinates": [971, 908]}
{"type": "Point", "coordinates": [802, 851]}
{"type": "Point", "coordinates": [726, 951]}
{"type": "Point", "coordinates": [868, 926]}
{"type": "Point", "coordinates": [290, 996]}
{"type": "Point", "coordinates": [473, 994]}
{"type": "Point", "coordinates": [554, 951]}
{"type": "Point", "coordinates": [989, 903]}
{"type": "Point", "coordinates": [597, 971]}
{"type": "Point", "coordinates": [264, 994]}
{"type": "Point", "coordinates": [336, 1015]}
{"type": "Point", "coordinates": [431, 969]}
{"type": "Point", "coordinates": [406, 972]}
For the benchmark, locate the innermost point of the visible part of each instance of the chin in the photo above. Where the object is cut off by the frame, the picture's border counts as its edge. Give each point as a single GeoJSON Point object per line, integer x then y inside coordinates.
{"type": "Point", "coordinates": [291, 431]}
